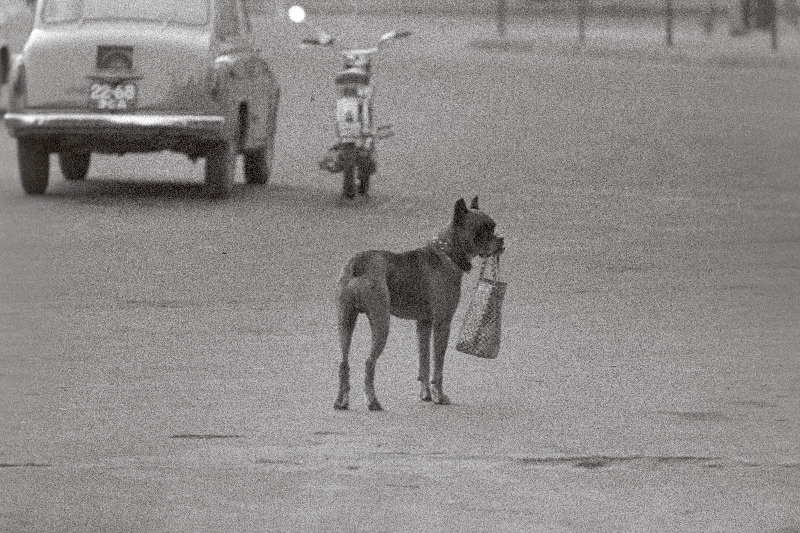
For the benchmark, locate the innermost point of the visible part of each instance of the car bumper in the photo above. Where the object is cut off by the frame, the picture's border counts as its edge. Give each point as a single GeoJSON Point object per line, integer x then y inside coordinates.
{"type": "Point", "coordinates": [118, 133]}
{"type": "Point", "coordinates": [51, 124]}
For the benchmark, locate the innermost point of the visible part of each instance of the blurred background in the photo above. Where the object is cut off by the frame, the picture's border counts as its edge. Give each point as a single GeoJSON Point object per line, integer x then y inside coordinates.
{"type": "Point", "coordinates": [779, 20]}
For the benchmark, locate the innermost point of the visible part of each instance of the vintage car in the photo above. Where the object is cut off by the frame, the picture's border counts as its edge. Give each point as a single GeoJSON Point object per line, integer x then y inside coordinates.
{"type": "Point", "coordinates": [116, 77]}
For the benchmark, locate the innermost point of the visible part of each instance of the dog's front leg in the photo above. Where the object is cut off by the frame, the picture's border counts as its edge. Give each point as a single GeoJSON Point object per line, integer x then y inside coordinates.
{"type": "Point", "coordinates": [441, 334]}
{"type": "Point", "coordinates": [424, 327]}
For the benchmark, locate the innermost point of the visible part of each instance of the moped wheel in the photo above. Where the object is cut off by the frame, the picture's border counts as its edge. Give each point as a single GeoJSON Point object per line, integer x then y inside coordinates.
{"type": "Point", "coordinates": [365, 173]}
{"type": "Point", "coordinates": [350, 175]}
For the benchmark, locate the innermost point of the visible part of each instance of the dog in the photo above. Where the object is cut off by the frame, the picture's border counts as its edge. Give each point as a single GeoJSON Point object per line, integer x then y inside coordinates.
{"type": "Point", "coordinates": [423, 285]}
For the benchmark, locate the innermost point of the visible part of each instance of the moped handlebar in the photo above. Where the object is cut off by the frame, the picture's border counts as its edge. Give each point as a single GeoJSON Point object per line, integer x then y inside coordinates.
{"type": "Point", "coordinates": [322, 40]}
{"type": "Point", "coordinates": [394, 34]}
{"type": "Point", "coordinates": [326, 40]}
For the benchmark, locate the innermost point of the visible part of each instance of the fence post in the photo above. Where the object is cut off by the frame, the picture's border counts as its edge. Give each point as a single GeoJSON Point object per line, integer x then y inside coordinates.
{"type": "Point", "coordinates": [582, 20]}
{"type": "Point", "coordinates": [501, 17]}
{"type": "Point", "coordinates": [669, 16]}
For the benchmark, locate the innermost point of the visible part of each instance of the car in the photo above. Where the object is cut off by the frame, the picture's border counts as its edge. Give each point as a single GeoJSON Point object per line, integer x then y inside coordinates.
{"type": "Point", "coordinates": [103, 76]}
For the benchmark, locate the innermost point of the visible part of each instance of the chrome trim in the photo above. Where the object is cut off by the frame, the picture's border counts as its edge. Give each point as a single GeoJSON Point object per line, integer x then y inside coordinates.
{"type": "Point", "coordinates": [16, 121]}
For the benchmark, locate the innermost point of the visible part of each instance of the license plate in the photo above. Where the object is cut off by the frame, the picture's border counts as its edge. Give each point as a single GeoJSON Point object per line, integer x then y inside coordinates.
{"type": "Point", "coordinates": [113, 97]}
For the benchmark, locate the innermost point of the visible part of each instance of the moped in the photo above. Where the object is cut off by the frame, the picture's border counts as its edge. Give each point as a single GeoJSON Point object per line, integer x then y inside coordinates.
{"type": "Point", "coordinates": [354, 152]}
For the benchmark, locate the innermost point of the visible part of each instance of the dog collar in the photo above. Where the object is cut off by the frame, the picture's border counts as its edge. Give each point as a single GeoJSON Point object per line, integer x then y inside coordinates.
{"type": "Point", "coordinates": [443, 248]}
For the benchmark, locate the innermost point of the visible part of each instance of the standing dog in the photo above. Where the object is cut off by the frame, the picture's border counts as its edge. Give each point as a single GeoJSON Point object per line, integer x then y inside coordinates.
{"type": "Point", "coordinates": [422, 285]}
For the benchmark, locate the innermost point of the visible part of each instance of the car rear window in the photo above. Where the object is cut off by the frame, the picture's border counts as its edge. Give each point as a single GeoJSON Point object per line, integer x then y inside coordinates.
{"type": "Point", "coordinates": [187, 12]}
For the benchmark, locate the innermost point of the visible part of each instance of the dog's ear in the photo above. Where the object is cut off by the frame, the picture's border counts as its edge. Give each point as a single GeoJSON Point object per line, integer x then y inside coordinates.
{"type": "Point", "coordinates": [474, 204]}
{"type": "Point", "coordinates": [460, 212]}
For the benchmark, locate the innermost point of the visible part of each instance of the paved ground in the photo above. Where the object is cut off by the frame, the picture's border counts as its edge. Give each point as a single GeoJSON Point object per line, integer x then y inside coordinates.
{"type": "Point", "coordinates": [168, 363]}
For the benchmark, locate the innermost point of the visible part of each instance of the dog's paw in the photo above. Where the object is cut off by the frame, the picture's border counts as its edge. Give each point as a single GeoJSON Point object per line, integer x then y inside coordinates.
{"type": "Point", "coordinates": [441, 399]}
{"type": "Point", "coordinates": [424, 392]}
{"type": "Point", "coordinates": [438, 396]}
{"type": "Point", "coordinates": [374, 406]}
{"type": "Point", "coordinates": [342, 403]}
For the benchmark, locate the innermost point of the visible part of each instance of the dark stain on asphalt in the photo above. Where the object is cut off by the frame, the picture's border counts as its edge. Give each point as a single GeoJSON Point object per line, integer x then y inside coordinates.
{"type": "Point", "coordinates": [204, 436]}
{"type": "Point", "coordinates": [593, 462]}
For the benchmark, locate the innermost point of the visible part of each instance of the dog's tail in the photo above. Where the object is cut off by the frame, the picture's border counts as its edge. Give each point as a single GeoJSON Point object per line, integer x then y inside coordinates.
{"type": "Point", "coordinates": [361, 263]}
{"type": "Point", "coordinates": [370, 262]}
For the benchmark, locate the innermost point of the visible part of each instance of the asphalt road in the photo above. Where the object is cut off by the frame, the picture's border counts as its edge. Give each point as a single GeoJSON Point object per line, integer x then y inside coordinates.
{"type": "Point", "coordinates": [168, 362]}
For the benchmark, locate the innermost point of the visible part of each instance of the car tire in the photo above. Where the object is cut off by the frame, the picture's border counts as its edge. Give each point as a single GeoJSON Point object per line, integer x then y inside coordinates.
{"type": "Point", "coordinates": [256, 166]}
{"type": "Point", "coordinates": [74, 165]}
{"type": "Point", "coordinates": [220, 169]}
{"type": "Point", "coordinates": [34, 166]}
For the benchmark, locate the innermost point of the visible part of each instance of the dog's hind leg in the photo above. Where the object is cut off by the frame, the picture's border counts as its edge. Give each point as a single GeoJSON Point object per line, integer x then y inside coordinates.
{"type": "Point", "coordinates": [424, 338]}
{"type": "Point", "coordinates": [378, 317]}
{"type": "Point", "coordinates": [347, 323]}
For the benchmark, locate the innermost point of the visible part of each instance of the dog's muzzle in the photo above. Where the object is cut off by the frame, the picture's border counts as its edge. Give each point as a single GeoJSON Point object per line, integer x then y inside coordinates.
{"type": "Point", "coordinates": [498, 246]}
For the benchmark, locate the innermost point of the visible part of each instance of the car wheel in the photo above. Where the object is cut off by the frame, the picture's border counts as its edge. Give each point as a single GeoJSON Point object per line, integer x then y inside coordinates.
{"type": "Point", "coordinates": [34, 166]}
{"type": "Point", "coordinates": [220, 169]}
{"type": "Point", "coordinates": [74, 165]}
{"type": "Point", "coordinates": [256, 166]}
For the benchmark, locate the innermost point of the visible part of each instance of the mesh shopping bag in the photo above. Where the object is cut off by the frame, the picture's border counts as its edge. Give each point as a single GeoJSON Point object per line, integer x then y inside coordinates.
{"type": "Point", "coordinates": [480, 332]}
